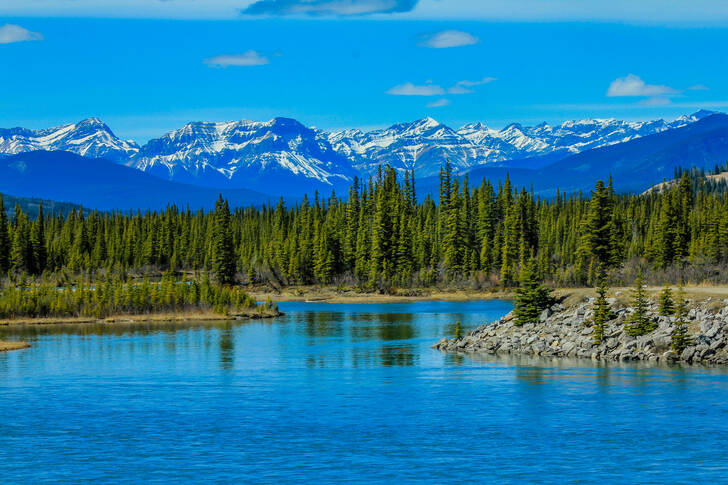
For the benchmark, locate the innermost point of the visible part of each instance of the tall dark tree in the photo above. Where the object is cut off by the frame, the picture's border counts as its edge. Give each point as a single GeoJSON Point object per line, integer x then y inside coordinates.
{"type": "Point", "coordinates": [4, 239]}
{"type": "Point", "coordinates": [596, 241]}
{"type": "Point", "coordinates": [223, 252]}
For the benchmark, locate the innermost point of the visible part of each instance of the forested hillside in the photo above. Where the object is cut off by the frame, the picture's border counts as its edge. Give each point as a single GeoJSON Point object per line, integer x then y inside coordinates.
{"type": "Point", "coordinates": [31, 206]}
{"type": "Point", "coordinates": [380, 236]}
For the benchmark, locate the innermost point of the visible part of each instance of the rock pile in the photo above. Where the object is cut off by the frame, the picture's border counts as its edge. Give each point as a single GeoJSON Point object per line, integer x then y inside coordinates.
{"type": "Point", "coordinates": [567, 332]}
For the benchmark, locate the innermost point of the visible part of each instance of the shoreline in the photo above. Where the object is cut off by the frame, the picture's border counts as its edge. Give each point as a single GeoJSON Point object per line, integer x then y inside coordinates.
{"type": "Point", "coordinates": [331, 294]}
{"type": "Point", "coordinates": [146, 317]}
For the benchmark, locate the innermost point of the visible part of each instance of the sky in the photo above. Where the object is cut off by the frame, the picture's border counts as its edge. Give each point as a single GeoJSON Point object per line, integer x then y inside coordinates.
{"type": "Point", "coordinates": [146, 67]}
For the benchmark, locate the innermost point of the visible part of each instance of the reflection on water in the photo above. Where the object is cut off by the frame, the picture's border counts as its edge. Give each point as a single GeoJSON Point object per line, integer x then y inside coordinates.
{"type": "Point", "coordinates": [330, 393]}
{"type": "Point", "coordinates": [227, 347]}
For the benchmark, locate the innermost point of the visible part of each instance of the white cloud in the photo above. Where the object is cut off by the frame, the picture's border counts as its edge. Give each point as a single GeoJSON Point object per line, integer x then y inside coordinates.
{"type": "Point", "coordinates": [409, 89]}
{"type": "Point", "coordinates": [632, 85]}
{"type": "Point", "coordinates": [10, 33]}
{"type": "Point", "coordinates": [449, 38]}
{"type": "Point", "coordinates": [463, 87]}
{"type": "Point", "coordinates": [439, 103]}
{"type": "Point", "coordinates": [698, 87]}
{"type": "Point", "coordinates": [250, 58]}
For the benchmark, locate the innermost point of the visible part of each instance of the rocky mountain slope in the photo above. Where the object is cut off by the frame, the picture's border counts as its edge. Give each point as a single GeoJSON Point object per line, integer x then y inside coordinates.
{"type": "Point", "coordinates": [89, 138]}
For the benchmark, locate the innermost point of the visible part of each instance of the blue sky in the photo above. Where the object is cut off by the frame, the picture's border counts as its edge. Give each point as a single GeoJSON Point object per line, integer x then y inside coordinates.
{"type": "Point", "coordinates": [147, 66]}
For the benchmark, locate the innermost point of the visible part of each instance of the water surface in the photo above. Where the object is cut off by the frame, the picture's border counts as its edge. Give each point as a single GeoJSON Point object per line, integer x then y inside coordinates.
{"type": "Point", "coordinates": [344, 392]}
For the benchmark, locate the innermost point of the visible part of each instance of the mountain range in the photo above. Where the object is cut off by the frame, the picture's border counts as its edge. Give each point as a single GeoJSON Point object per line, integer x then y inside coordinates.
{"type": "Point", "coordinates": [263, 160]}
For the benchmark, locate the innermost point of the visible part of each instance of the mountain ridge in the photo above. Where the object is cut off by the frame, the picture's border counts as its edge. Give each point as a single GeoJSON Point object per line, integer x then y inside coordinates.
{"type": "Point", "coordinates": [284, 152]}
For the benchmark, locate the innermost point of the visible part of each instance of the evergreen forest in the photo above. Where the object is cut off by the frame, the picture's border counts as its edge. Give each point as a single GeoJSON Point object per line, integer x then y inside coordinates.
{"type": "Point", "coordinates": [382, 236]}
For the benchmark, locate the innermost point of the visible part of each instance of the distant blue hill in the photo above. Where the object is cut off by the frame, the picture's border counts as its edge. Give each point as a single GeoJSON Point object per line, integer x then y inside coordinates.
{"type": "Point", "coordinates": [638, 164]}
{"type": "Point", "coordinates": [31, 206]}
{"type": "Point", "coordinates": [105, 185]}
{"type": "Point", "coordinates": [635, 165]}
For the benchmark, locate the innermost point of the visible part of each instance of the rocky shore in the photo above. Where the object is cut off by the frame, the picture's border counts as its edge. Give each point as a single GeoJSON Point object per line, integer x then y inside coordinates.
{"type": "Point", "coordinates": [564, 331]}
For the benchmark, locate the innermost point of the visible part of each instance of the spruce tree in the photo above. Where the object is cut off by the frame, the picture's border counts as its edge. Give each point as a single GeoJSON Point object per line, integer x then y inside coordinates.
{"type": "Point", "coordinates": [596, 240]}
{"type": "Point", "coordinates": [602, 311]}
{"type": "Point", "coordinates": [458, 330]}
{"type": "Point", "coordinates": [666, 303]}
{"type": "Point", "coordinates": [223, 254]}
{"type": "Point", "coordinates": [4, 239]}
{"type": "Point", "coordinates": [38, 242]}
{"type": "Point", "coordinates": [532, 297]}
{"type": "Point", "coordinates": [680, 338]}
{"type": "Point", "coordinates": [639, 322]}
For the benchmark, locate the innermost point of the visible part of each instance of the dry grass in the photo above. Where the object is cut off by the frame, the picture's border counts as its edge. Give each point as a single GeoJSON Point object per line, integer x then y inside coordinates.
{"type": "Point", "coordinates": [569, 295]}
{"type": "Point", "coordinates": [5, 346]}
{"type": "Point", "coordinates": [717, 294]}
{"type": "Point", "coordinates": [196, 316]}
{"type": "Point", "coordinates": [352, 295]}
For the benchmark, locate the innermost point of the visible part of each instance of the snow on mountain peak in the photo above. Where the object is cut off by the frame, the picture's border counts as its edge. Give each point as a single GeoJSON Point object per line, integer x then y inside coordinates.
{"type": "Point", "coordinates": [249, 153]}
{"type": "Point", "coordinates": [90, 138]}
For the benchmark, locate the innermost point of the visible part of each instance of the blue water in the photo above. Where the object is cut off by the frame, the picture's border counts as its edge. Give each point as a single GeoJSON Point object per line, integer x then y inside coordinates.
{"type": "Point", "coordinates": [337, 392]}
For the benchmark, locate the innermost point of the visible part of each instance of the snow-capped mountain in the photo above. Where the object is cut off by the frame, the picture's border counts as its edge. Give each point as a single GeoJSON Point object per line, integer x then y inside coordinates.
{"type": "Point", "coordinates": [422, 146]}
{"type": "Point", "coordinates": [425, 144]}
{"type": "Point", "coordinates": [89, 138]}
{"type": "Point", "coordinates": [277, 155]}
{"type": "Point", "coordinates": [283, 156]}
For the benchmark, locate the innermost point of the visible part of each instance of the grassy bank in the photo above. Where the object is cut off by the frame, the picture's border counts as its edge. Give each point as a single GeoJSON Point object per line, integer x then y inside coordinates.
{"type": "Point", "coordinates": [6, 346]}
{"type": "Point", "coordinates": [333, 294]}
{"type": "Point", "coordinates": [253, 313]}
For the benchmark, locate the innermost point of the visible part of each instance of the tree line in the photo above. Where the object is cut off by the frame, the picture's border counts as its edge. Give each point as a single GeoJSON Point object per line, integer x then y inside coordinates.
{"type": "Point", "coordinates": [382, 235]}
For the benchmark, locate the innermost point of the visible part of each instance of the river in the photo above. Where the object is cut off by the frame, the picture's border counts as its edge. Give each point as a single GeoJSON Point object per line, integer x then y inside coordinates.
{"type": "Point", "coordinates": [344, 392]}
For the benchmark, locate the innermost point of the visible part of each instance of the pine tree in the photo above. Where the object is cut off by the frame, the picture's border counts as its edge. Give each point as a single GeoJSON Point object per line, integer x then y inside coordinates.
{"type": "Point", "coordinates": [458, 330]}
{"type": "Point", "coordinates": [223, 254]}
{"type": "Point", "coordinates": [680, 338]}
{"type": "Point", "coordinates": [21, 249]}
{"type": "Point", "coordinates": [666, 303]}
{"type": "Point", "coordinates": [4, 239]}
{"type": "Point", "coordinates": [38, 242]}
{"type": "Point", "coordinates": [532, 297]}
{"type": "Point", "coordinates": [596, 241]}
{"type": "Point", "coordinates": [639, 322]}
{"type": "Point", "coordinates": [602, 311]}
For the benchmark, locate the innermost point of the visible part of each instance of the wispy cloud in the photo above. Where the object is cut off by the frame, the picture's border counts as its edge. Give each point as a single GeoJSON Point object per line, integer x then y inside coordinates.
{"type": "Point", "coordinates": [449, 38]}
{"type": "Point", "coordinates": [634, 86]}
{"type": "Point", "coordinates": [409, 89]}
{"type": "Point", "coordinates": [655, 101]}
{"type": "Point", "coordinates": [10, 33]}
{"type": "Point", "coordinates": [698, 87]}
{"type": "Point", "coordinates": [463, 87]}
{"type": "Point", "coordinates": [249, 58]}
{"type": "Point", "coordinates": [439, 103]}
{"type": "Point", "coordinates": [328, 7]}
